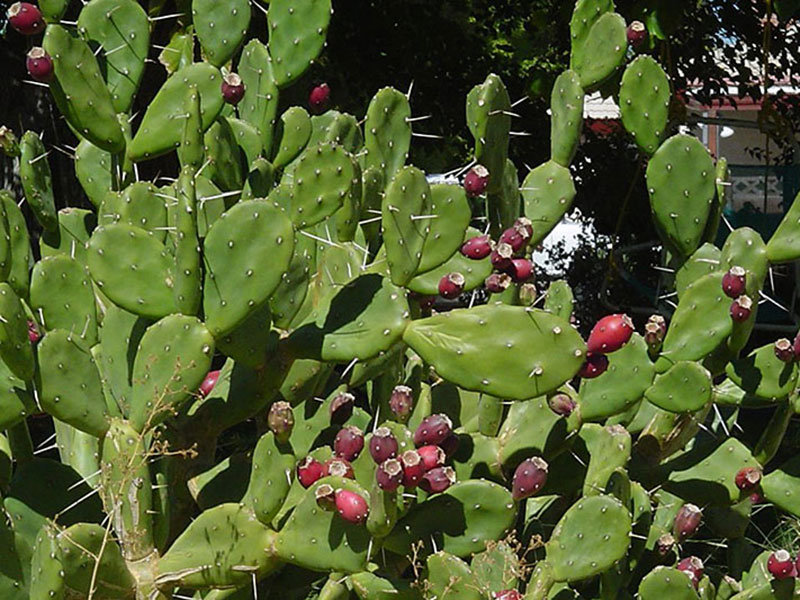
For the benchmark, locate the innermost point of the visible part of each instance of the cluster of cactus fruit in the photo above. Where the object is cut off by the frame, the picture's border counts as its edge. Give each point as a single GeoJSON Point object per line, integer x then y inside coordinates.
{"type": "Point", "coordinates": [287, 278]}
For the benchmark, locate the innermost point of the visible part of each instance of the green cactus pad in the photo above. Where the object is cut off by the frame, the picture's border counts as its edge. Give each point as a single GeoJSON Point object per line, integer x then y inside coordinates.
{"type": "Point", "coordinates": [19, 245]}
{"type": "Point", "coordinates": [336, 127]}
{"type": "Point", "coordinates": [667, 582]}
{"type": "Point", "coordinates": [535, 351]}
{"type": "Point", "coordinates": [681, 183]}
{"type": "Point", "coordinates": [260, 179]}
{"type": "Point", "coordinates": [120, 333]}
{"type": "Point", "coordinates": [504, 205]}
{"type": "Point", "coordinates": [93, 170]}
{"type": "Point", "coordinates": [297, 32]}
{"type": "Point", "coordinates": [224, 156]}
{"type": "Point", "coordinates": [609, 451]}
{"type": "Point", "coordinates": [34, 171]}
{"type": "Point", "coordinates": [745, 248]}
{"type": "Point", "coordinates": [784, 245]}
{"type": "Point", "coordinates": [706, 259]}
{"type": "Point", "coordinates": [80, 92]}
{"type": "Point", "coordinates": [220, 27]}
{"type": "Point", "coordinates": [644, 102]}
{"type": "Point", "coordinates": [288, 297]}
{"type": "Point", "coordinates": [187, 274]}
{"type": "Point", "coordinates": [226, 546]}
{"type": "Point", "coordinates": [584, 16]}
{"type": "Point", "coordinates": [246, 253]}
{"type": "Point", "coordinates": [497, 568]}
{"type": "Point", "coordinates": [475, 272]}
{"type": "Point", "coordinates": [345, 220]}
{"type": "Point", "coordinates": [530, 429]}
{"type": "Point", "coordinates": [450, 578]}
{"type": "Point", "coordinates": [781, 486]}
{"type": "Point", "coordinates": [602, 51]}
{"type": "Point", "coordinates": [764, 375]}
{"type": "Point", "coordinates": [122, 30]}
{"type": "Point", "coordinates": [53, 10]}
{"type": "Point", "coordinates": [685, 387]}
{"type": "Point", "coordinates": [259, 107]}
{"type": "Point", "coordinates": [369, 586]}
{"type": "Point", "coordinates": [548, 192]}
{"type": "Point", "coordinates": [566, 104]}
{"type": "Point", "coordinates": [47, 576]}
{"type": "Point", "coordinates": [450, 217]}
{"type": "Point", "coordinates": [387, 132]}
{"type": "Point", "coordinates": [247, 137]}
{"type": "Point", "coordinates": [489, 121]}
{"type": "Point", "coordinates": [144, 286]}
{"type": "Point", "coordinates": [139, 205]}
{"type": "Point", "coordinates": [75, 227]}
{"type": "Point", "coordinates": [15, 347]}
{"type": "Point", "coordinates": [293, 132]}
{"type": "Point", "coordinates": [171, 362]}
{"type": "Point", "coordinates": [162, 126]}
{"type": "Point", "coordinates": [591, 536]}
{"type": "Point", "coordinates": [723, 195]}
{"type": "Point", "coordinates": [16, 402]}
{"type": "Point", "coordinates": [270, 479]}
{"type": "Point", "coordinates": [191, 151]}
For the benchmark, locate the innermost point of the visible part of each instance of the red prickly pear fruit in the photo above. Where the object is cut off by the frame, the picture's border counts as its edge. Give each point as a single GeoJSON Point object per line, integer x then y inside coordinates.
{"type": "Point", "coordinates": [325, 496]}
{"type": "Point", "coordinates": [476, 180]}
{"type": "Point", "coordinates": [338, 467]}
{"type": "Point", "coordinates": [232, 88]}
{"type": "Point", "coordinates": [426, 302]}
{"type": "Point", "coordinates": [518, 235]}
{"type": "Point", "coordinates": [521, 270]}
{"type": "Point", "coordinates": [654, 332]}
{"type": "Point", "coordinates": [25, 17]}
{"type": "Point", "coordinates": [687, 521]}
{"type": "Point", "coordinates": [734, 282]}
{"type": "Point", "coordinates": [432, 456]}
{"type": "Point", "coordinates": [450, 444]}
{"type": "Point", "coordinates": [389, 475]}
{"type": "Point", "coordinates": [401, 402]}
{"type": "Point", "coordinates": [562, 404]}
{"type": "Point", "coordinates": [342, 408]}
{"type": "Point", "coordinates": [413, 469]}
{"type": "Point", "coordinates": [784, 350]}
{"type": "Point", "coordinates": [438, 480]}
{"type": "Point", "coordinates": [756, 498]}
{"type": "Point", "coordinates": [280, 420]}
{"type": "Point", "coordinates": [780, 564]}
{"type": "Point", "coordinates": [318, 98]}
{"type": "Point", "coordinates": [610, 334]}
{"type": "Point", "coordinates": [351, 507]}
{"type": "Point", "coordinates": [748, 478]}
{"type": "Point", "coordinates": [741, 308]}
{"type": "Point", "coordinates": [433, 430]}
{"type": "Point", "coordinates": [382, 445]}
{"type": "Point", "coordinates": [39, 64]}
{"type": "Point", "coordinates": [796, 346]}
{"type": "Point", "coordinates": [524, 226]}
{"type": "Point", "coordinates": [309, 470]}
{"type": "Point", "coordinates": [693, 567]}
{"type": "Point", "coordinates": [664, 544]}
{"type": "Point", "coordinates": [477, 248]}
{"type": "Point", "coordinates": [451, 285]}
{"type": "Point", "coordinates": [497, 283]}
{"type": "Point", "coordinates": [349, 443]}
{"type": "Point", "coordinates": [529, 477]}
{"type": "Point", "coordinates": [33, 332]}
{"type": "Point", "coordinates": [595, 365]}
{"type": "Point", "coordinates": [507, 595]}
{"type": "Point", "coordinates": [501, 256]}
{"type": "Point", "coordinates": [208, 383]}
{"type": "Point", "coordinates": [637, 34]}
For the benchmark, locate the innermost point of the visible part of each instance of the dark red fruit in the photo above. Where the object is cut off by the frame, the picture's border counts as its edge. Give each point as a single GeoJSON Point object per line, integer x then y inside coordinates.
{"type": "Point", "coordinates": [451, 285]}
{"type": "Point", "coordinates": [517, 236]}
{"type": "Point", "coordinates": [693, 567]}
{"type": "Point", "coordinates": [478, 247]}
{"type": "Point", "coordinates": [595, 365]}
{"type": "Point", "coordinates": [562, 404]}
{"type": "Point", "coordinates": [637, 34]}
{"type": "Point", "coordinates": [342, 408]}
{"type": "Point", "coordinates": [497, 283]}
{"type": "Point", "coordinates": [401, 402]}
{"type": "Point", "coordinates": [501, 256]}
{"type": "Point", "coordinates": [382, 445]}
{"type": "Point", "coordinates": [432, 456]}
{"type": "Point", "coordinates": [39, 64]}
{"type": "Point", "coordinates": [427, 302]}
{"type": "Point", "coordinates": [208, 383]}
{"type": "Point", "coordinates": [33, 332]}
{"type": "Point", "coordinates": [654, 332]}
{"type": "Point", "coordinates": [351, 507]}
{"type": "Point", "coordinates": [781, 565]}
{"type": "Point", "coordinates": [756, 498]}
{"type": "Point", "coordinates": [337, 467]}
{"type": "Point", "coordinates": [389, 475]}
{"type": "Point", "coordinates": [784, 350]}
{"type": "Point", "coordinates": [309, 470]}
{"type": "Point", "coordinates": [26, 18]}
{"type": "Point", "coordinates": [525, 227]}
{"type": "Point", "coordinates": [748, 478]}
{"type": "Point", "coordinates": [433, 430]}
{"type": "Point", "coordinates": [740, 309]}
{"type": "Point", "coordinates": [529, 477]}
{"type": "Point", "coordinates": [507, 595]}
{"type": "Point", "coordinates": [521, 270]}
{"type": "Point", "coordinates": [413, 469]}
{"type": "Point", "coordinates": [325, 496]}
{"type": "Point", "coordinates": [734, 282]}
{"type": "Point", "coordinates": [450, 444]}
{"type": "Point", "coordinates": [796, 346]}
{"type": "Point", "coordinates": [280, 420]}
{"type": "Point", "coordinates": [610, 334]}
{"type": "Point", "coordinates": [664, 544]}
{"type": "Point", "coordinates": [318, 98]}
{"type": "Point", "coordinates": [349, 443]}
{"type": "Point", "coordinates": [687, 521]}
{"type": "Point", "coordinates": [232, 88]}
{"type": "Point", "coordinates": [476, 180]}
{"type": "Point", "coordinates": [438, 480]}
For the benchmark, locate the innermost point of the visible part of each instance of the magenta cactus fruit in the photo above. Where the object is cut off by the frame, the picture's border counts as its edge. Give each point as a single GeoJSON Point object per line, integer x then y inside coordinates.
{"type": "Point", "coordinates": [518, 235]}
{"type": "Point", "coordinates": [637, 34]}
{"type": "Point", "coordinates": [529, 477]}
{"type": "Point", "coordinates": [280, 420]}
{"type": "Point", "coordinates": [594, 366]}
{"type": "Point", "coordinates": [748, 478]}
{"type": "Point", "coordinates": [349, 443]}
{"type": "Point", "coordinates": [741, 308]}
{"type": "Point", "coordinates": [796, 346]}
{"type": "Point", "coordinates": [610, 334]}
{"type": "Point", "coordinates": [687, 521]}
{"type": "Point", "coordinates": [501, 256]}
{"type": "Point", "coordinates": [734, 282]}
{"type": "Point", "coordinates": [413, 469]}
{"type": "Point", "coordinates": [309, 471]}
{"type": "Point", "coordinates": [39, 64]}
{"type": "Point", "coordinates": [432, 456]}
{"type": "Point", "coordinates": [780, 565]}
{"type": "Point", "coordinates": [401, 402]}
{"type": "Point", "coordinates": [318, 98]}
{"type": "Point", "coordinates": [784, 350]}
{"type": "Point", "coordinates": [389, 475]}
{"type": "Point", "coordinates": [433, 430]}
{"type": "Point", "coordinates": [507, 595]}
{"type": "Point", "coordinates": [26, 18]}
{"type": "Point", "coordinates": [382, 445]}
{"type": "Point", "coordinates": [341, 408]}
{"type": "Point", "coordinates": [232, 88]}
{"type": "Point", "coordinates": [521, 269]}
{"type": "Point", "coordinates": [497, 283]}
{"type": "Point", "coordinates": [562, 404]}
{"type": "Point", "coordinates": [654, 332]}
{"type": "Point", "coordinates": [208, 383]}
{"type": "Point", "coordinates": [693, 567]}
{"type": "Point", "coordinates": [451, 285]}
{"type": "Point", "coordinates": [351, 506]}
{"type": "Point", "coordinates": [438, 480]}
{"type": "Point", "coordinates": [325, 496]}
{"type": "Point", "coordinates": [476, 180]}
{"type": "Point", "coordinates": [338, 467]}
{"type": "Point", "coordinates": [478, 247]}
{"type": "Point", "coordinates": [33, 332]}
